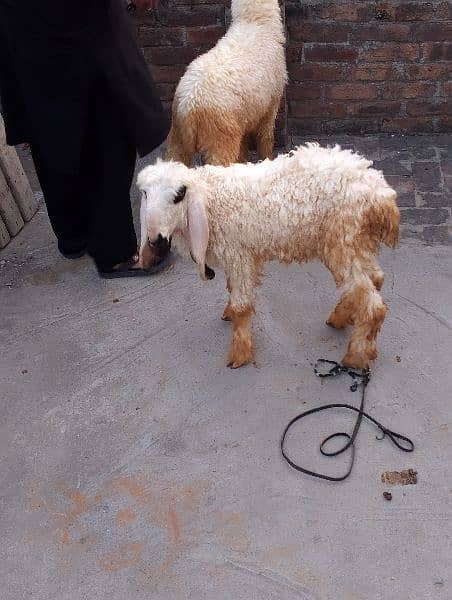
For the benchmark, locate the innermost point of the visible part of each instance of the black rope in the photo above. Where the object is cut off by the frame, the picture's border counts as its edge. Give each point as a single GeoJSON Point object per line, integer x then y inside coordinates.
{"type": "Point", "coordinates": [361, 379]}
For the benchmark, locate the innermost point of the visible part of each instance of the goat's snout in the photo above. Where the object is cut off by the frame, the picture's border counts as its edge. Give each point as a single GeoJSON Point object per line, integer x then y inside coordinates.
{"type": "Point", "coordinates": [161, 243]}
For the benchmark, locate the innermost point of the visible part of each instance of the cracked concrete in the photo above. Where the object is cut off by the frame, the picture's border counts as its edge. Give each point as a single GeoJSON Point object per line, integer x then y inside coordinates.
{"type": "Point", "coordinates": [135, 465]}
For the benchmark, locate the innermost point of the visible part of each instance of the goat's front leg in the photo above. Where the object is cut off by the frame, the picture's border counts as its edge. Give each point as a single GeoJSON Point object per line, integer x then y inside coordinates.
{"type": "Point", "coordinates": [240, 311]}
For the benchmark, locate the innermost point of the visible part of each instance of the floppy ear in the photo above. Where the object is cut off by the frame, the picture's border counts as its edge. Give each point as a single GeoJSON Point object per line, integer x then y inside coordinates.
{"type": "Point", "coordinates": [198, 231]}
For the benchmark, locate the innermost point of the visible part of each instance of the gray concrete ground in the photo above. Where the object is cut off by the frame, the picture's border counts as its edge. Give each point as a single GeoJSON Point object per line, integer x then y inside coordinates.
{"type": "Point", "coordinates": [135, 465]}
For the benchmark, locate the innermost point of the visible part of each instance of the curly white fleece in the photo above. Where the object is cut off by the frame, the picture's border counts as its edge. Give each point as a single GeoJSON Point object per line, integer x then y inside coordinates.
{"type": "Point", "coordinates": [311, 203]}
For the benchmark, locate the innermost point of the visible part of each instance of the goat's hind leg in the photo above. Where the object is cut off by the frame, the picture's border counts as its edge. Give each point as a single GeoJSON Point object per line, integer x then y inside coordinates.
{"type": "Point", "coordinates": [373, 269]}
{"type": "Point", "coordinates": [265, 134]}
{"type": "Point", "coordinates": [176, 149]}
{"type": "Point", "coordinates": [342, 315]}
{"type": "Point", "coordinates": [367, 312]}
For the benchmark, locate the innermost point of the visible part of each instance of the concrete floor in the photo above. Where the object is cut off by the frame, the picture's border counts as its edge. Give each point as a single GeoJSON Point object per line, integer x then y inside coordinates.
{"type": "Point", "coordinates": [136, 466]}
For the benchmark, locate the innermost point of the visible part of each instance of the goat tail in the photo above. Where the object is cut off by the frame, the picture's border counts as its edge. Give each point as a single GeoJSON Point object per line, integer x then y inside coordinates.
{"type": "Point", "coordinates": [381, 220]}
{"type": "Point", "coordinates": [391, 218]}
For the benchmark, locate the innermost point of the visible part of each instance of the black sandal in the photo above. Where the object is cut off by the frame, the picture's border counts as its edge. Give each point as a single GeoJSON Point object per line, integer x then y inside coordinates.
{"type": "Point", "coordinates": [126, 269]}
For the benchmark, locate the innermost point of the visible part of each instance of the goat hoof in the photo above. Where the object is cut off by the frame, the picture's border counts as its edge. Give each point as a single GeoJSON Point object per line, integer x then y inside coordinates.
{"type": "Point", "coordinates": [337, 322]}
{"type": "Point", "coordinates": [240, 356]}
{"type": "Point", "coordinates": [227, 316]}
{"type": "Point", "coordinates": [235, 365]}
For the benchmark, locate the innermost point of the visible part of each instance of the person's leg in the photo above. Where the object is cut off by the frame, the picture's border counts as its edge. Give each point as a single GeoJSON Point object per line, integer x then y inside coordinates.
{"type": "Point", "coordinates": [108, 163]}
{"type": "Point", "coordinates": [67, 210]}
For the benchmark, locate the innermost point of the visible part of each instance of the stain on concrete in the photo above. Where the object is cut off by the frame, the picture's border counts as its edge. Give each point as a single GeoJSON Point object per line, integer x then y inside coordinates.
{"type": "Point", "coordinates": [134, 488]}
{"type": "Point", "coordinates": [82, 504]}
{"type": "Point", "coordinates": [46, 276]}
{"type": "Point", "coordinates": [180, 510]}
{"type": "Point", "coordinates": [124, 517]}
{"type": "Point", "coordinates": [174, 525]}
{"type": "Point", "coordinates": [407, 477]}
{"type": "Point", "coordinates": [67, 520]}
{"type": "Point", "coordinates": [123, 557]}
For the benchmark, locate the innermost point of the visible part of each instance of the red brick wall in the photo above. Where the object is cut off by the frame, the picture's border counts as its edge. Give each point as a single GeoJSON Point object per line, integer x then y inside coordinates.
{"type": "Point", "coordinates": [356, 66]}
{"type": "Point", "coordinates": [365, 67]}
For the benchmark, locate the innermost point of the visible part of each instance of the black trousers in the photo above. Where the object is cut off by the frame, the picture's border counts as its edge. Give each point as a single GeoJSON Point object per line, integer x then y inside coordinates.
{"type": "Point", "coordinates": [92, 207]}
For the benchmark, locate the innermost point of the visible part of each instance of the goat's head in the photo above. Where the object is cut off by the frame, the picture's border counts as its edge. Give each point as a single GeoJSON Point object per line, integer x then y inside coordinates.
{"type": "Point", "coordinates": [173, 201]}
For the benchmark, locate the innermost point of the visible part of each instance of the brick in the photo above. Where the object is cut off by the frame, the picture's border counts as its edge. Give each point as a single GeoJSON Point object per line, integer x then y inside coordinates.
{"type": "Point", "coordinates": [404, 187]}
{"type": "Point", "coordinates": [166, 91]}
{"type": "Point", "coordinates": [428, 108]}
{"type": "Point", "coordinates": [365, 109]}
{"type": "Point", "coordinates": [167, 74]}
{"type": "Point", "coordinates": [316, 72]}
{"type": "Point", "coordinates": [351, 91]}
{"type": "Point", "coordinates": [436, 199]}
{"type": "Point", "coordinates": [384, 11]}
{"type": "Point", "coordinates": [440, 234]}
{"type": "Point", "coordinates": [205, 35]}
{"type": "Point", "coordinates": [421, 11]}
{"type": "Point", "coordinates": [196, 16]}
{"type": "Point", "coordinates": [316, 109]}
{"type": "Point", "coordinates": [374, 72]}
{"type": "Point", "coordinates": [390, 51]}
{"type": "Point", "coordinates": [444, 123]}
{"type": "Point", "coordinates": [435, 32]}
{"type": "Point", "coordinates": [392, 166]}
{"type": "Point", "coordinates": [350, 11]}
{"type": "Point", "coordinates": [162, 36]}
{"type": "Point", "coordinates": [319, 32]}
{"type": "Point", "coordinates": [433, 71]}
{"type": "Point", "coordinates": [437, 51]}
{"type": "Point", "coordinates": [395, 91]}
{"type": "Point", "coordinates": [353, 126]}
{"type": "Point", "coordinates": [293, 53]}
{"type": "Point", "coordinates": [330, 53]}
{"type": "Point", "coordinates": [424, 216]}
{"type": "Point", "coordinates": [448, 89]}
{"type": "Point", "coordinates": [170, 56]}
{"type": "Point", "coordinates": [426, 176]}
{"type": "Point", "coordinates": [300, 92]}
{"type": "Point", "coordinates": [408, 125]}
{"type": "Point", "coordinates": [197, 2]}
{"type": "Point", "coordinates": [305, 126]}
{"type": "Point", "coordinates": [383, 32]}
{"type": "Point", "coordinates": [446, 167]}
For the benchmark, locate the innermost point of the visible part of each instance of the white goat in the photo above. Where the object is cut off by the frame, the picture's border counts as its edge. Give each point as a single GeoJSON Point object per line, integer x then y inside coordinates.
{"type": "Point", "coordinates": [233, 91]}
{"type": "Point", "coordinates": [313, 203]}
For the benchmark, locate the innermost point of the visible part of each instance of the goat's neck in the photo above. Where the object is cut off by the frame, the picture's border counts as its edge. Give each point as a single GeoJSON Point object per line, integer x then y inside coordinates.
{"type": "Point", "coordinates": [256, 11]}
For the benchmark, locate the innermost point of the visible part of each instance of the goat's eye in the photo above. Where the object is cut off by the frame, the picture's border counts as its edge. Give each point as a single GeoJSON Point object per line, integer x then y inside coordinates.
{"type": "Point", "coordinates": [145, 195]}
{"type": "Point", "coordinates": [180, 195]}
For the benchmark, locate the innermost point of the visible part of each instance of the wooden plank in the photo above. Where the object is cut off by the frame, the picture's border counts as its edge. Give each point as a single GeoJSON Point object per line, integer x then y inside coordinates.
{"type": "Point", "coordinates": [9, 211]}
{"type": "Point", "coordinates": [4, 235]}
{"type": "Point", "coordinates": [15, 176]}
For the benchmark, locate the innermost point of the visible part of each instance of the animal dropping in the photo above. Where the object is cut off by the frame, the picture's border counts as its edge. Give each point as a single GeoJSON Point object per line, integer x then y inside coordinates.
{"type": "Point", "coordinates": [408, 477]}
